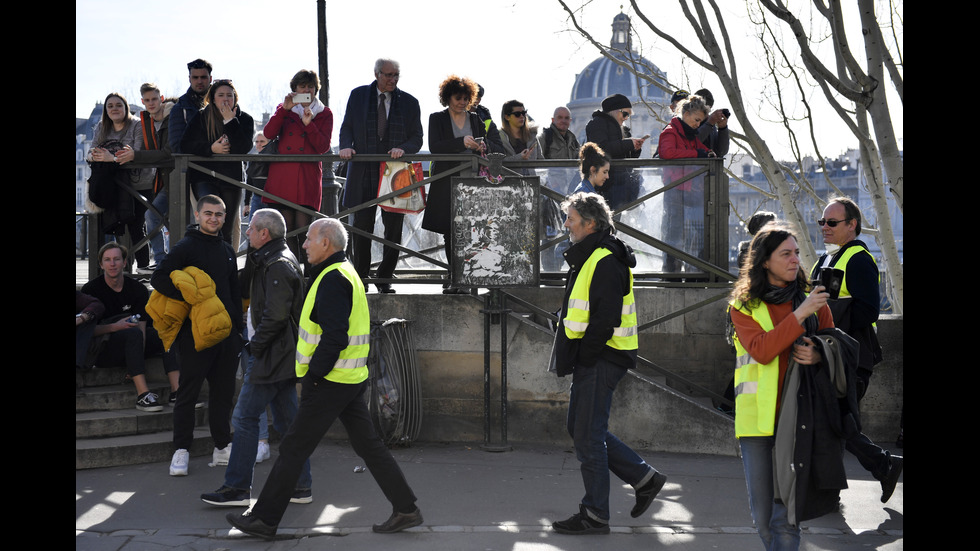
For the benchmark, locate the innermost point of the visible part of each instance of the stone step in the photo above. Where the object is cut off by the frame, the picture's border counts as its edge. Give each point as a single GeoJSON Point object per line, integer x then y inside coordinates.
{"type": "Point", "coordinates": [115, 397]}
{"type": "Point", "coordinates": [92, 453]}
{"type": "Point", "coordinates": [122, 422]}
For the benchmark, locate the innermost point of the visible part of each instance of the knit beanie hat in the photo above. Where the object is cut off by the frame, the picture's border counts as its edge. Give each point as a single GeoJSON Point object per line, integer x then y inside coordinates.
{"type": "Point", "coordinates": [616, 101]}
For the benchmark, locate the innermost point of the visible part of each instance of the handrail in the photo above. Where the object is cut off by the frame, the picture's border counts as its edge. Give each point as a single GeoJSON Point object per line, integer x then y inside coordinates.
{"type": "Point", "coordinates": [712, 262]}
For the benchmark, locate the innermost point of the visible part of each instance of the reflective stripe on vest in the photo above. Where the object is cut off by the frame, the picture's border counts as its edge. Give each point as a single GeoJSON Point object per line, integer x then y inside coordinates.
{"type": "Point", "coordinates": [351, 365]}
{"type": "Point", "coordinates": [576, 319]}
{"type": "Point", "coordinates": [756, 385]}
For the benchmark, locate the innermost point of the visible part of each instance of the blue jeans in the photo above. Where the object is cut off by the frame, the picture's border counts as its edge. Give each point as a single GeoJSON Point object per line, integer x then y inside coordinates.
{"type": "Point", "coordinates": [770, 518]}
{"type": "Point", "coordinates": [252, 402]}
{"type": "Point", "coordinates": [161, 202]}
{"type": "Point", "coordinates": [599, 451]}
{"type": "Point", "coordinates": [236, 416]}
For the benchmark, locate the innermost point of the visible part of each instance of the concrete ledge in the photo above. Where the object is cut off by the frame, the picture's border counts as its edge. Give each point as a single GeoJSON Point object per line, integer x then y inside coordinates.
{"type": "Point", "coordinates": [449, 334]}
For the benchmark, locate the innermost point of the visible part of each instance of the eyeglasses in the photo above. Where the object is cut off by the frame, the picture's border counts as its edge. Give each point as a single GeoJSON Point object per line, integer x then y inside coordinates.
{"type": "Point", "coordinates": [626, 114]}
{"type": "Point", "coordinates": [832, 223]}
{"type": "Point", "coordinates": [519, 113]}
{"type": "Point", "coordinates": [395, 76]}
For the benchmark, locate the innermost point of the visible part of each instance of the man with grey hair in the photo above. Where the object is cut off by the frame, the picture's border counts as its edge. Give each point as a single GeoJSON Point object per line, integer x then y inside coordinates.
{"type": "Point", "coordinates": [276, 291]}
{"type": "Point", "coordinates": [331, 358]}
{"type": "Point", "coordinates": [380, 118]}
{"type": "Point", "coordinates": [596, 343]}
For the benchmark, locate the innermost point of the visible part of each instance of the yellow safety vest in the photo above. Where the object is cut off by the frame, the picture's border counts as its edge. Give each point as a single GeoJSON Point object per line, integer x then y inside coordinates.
{"type": "Point", "coordinates": [842, 266]}
{"type": "Point", "coordinates": [576, 319]}
{"type": "Point", "coordinates": [756, 385]}
{"type": "Point", "coordinates": [351, 366]}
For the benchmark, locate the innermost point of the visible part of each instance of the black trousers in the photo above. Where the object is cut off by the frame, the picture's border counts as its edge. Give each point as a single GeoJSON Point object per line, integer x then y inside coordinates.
{"type": "Point", "coordinates": [319, 406]}
{"type": "Point", "coordinates": [217, 366]}
{"type": "Point", "coordinates": [364, 220]}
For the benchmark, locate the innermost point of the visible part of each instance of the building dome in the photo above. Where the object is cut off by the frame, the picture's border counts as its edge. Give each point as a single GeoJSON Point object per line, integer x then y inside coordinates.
{"type": "Point", "coordinates": [604, 77]}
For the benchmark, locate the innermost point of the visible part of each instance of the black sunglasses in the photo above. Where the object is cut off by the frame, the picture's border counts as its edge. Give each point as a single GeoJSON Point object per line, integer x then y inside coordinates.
{"type": "Point", "coordinates": [519, 113]}
{"type": "Point", "coordinates": [832, 223]}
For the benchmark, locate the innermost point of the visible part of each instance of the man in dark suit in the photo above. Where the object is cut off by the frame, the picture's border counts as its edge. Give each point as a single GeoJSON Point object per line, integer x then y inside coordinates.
{"type": "Point", "coordinates": [380, 118]}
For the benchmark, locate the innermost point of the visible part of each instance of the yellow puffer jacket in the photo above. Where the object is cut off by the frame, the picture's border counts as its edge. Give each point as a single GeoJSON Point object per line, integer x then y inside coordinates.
{"type": "Point", "coordinates": [210, 322]}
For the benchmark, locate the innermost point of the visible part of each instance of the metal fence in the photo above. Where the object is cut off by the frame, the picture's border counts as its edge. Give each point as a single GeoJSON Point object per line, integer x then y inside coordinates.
{"type": "Point", "coordinates": [677, 224]}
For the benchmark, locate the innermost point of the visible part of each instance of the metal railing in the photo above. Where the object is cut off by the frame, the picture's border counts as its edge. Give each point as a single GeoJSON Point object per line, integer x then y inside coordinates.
{"type": "Point", "coordinates": [701, 194]}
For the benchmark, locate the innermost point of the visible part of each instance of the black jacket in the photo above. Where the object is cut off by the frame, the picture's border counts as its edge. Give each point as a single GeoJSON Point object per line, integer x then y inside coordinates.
{"type": "Point", "coordinates": [823, 423]}
{"type": "Point", "coordinates": [277, 292]}
{"type": "Point", "coordinates": [610, 284]}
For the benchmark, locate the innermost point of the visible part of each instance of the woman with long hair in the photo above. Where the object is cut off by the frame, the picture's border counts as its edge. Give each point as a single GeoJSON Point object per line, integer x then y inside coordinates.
{"type": "Point", "coordinates": [302, 124]}
{"type": "Point", "coordinates": [219, 128]}
{"type": "Point", "coordinates": [774, 318]}
{"type": "Point", "coordinates": [116, 131]}
{"type": "Point", "coordinates": [520, 137]}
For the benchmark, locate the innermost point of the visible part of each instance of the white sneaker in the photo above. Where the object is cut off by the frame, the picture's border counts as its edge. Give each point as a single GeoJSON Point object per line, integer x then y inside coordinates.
{"type": "Point", "coordinates": [178, 465]}
{"type": "Point", "coordinates": [263, 452]}
{"type": "Point", "coordinates": [220, 457]}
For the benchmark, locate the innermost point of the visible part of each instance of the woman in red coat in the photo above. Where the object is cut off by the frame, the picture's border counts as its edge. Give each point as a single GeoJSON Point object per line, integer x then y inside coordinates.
{"type": "Point", "coordinates": [303, 128]}
{"type": "Point", "coordinates": [679, 140]}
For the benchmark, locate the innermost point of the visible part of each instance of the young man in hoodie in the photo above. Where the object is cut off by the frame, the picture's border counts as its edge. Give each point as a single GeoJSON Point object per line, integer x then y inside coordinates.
{"type": "Point", "coordinates": [596, 343]}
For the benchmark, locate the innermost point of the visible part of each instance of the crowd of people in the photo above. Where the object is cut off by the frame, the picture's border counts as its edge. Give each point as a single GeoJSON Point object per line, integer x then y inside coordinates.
{"type": "Point", "coordinates": [307, 314]}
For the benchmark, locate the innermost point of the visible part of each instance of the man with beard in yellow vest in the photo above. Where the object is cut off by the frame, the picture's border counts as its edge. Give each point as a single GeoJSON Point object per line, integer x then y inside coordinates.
{"type": "Point", "coordinates": [596, 343]}
{"type": "Point", "coordinates": [331, 359]}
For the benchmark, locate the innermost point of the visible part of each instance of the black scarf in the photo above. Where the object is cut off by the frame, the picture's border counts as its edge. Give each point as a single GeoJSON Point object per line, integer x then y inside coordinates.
{"type": "Point", "coordinates": [792, 292]}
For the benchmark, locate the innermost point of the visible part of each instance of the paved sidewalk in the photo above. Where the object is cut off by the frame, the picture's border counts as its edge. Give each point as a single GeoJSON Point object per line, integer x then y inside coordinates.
{"type": "Point", "coordinates": [470, 499]}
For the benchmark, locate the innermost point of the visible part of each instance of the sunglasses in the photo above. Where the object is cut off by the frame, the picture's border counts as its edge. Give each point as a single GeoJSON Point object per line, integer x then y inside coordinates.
{"type": "Point", "coordinates": [519, 113]}
{"type": "Point", "coordinates": [832, 223]}
{"type": "Point", "coordinates": [626, 114]}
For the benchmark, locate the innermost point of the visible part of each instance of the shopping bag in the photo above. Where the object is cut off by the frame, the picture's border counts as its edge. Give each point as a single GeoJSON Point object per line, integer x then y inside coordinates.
{"type": "Point", "coordinates": [396, 175]}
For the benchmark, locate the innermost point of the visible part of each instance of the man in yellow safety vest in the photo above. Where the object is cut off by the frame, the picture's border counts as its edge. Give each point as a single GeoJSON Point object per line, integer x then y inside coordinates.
{"type": "Point", "coordinates": [596, 343]}
{"type": "Point", "coordinates": [855, 313]}
{"type": "Point", "coordinates": [331, 359]}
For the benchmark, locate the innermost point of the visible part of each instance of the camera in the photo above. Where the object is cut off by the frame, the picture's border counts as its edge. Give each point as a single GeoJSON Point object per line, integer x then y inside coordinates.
{"type": "Point", "coordinates": [831, 279]}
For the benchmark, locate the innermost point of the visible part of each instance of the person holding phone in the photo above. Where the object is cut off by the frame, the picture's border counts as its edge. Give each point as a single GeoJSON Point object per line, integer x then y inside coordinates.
{"type": "Point", "coordinates": [219, 128]}
{"type": "Point", "coordinates": [453, 130]}
{"type": "Point", "coordinates": [519, 137]}
{"type": "Point", "coordinates": [684, 203]}
{"type": "Point", "coordinates": [774, 321]}
{"type": "Point", "coordinates": [303, 126]}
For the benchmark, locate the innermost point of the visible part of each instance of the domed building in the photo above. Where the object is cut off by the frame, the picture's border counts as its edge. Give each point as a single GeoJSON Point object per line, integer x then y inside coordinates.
{"type": "Point", "coordinates": [604, 77]}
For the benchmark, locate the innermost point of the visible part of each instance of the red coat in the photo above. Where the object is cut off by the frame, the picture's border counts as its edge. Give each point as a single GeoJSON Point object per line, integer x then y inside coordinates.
{"type": "Point", "coordinates": [674, 144]}
{"type": "Point", "coordinates": [298, 182]}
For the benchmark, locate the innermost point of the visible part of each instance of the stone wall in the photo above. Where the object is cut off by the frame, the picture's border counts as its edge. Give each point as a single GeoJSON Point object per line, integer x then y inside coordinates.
{"type": "Point", "coordinates": [449, 334]}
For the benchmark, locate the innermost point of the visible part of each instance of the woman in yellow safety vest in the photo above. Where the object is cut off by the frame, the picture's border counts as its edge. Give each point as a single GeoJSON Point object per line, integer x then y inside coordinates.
{"type": "Point", "coordinates": [773, 317]}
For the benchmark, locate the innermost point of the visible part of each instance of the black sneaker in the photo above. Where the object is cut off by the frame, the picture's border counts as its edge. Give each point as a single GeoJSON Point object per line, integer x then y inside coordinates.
{"type": "Point", "coordinates": [148, 402]}
{"type": "Point", "coordinates": [647, 493]}
{"type": "Point", "coordinates": [580, 524]}
{"type": "Point", "coordinates": [227, 497]}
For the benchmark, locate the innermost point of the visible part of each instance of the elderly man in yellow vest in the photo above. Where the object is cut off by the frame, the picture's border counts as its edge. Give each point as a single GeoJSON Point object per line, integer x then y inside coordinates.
{"type": "Point", "coordinates": [331, 358]}
{"type": "Point", "coordinates": [596, 343]}
{"type": "Point", "coordinates": [855, 313]}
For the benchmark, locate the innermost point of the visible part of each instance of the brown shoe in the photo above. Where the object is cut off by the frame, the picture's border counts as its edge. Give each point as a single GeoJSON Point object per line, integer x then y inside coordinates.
{"type": "Point", "coordinates": [399, 521]}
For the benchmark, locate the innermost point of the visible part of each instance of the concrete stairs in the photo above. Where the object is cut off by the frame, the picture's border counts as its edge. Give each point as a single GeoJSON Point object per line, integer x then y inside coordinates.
{"type": "Point", "coordinates": [110, 431]}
